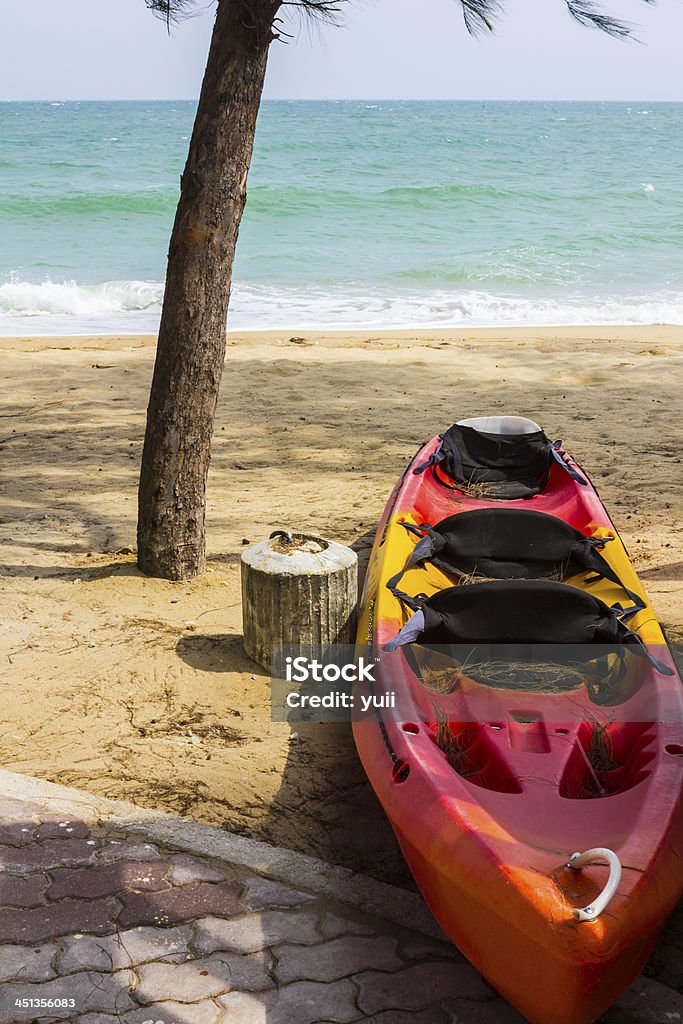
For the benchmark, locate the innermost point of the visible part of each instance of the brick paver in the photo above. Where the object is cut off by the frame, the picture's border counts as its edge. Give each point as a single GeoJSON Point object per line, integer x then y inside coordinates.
{"type": "Point", "coordinates": [304, 1002]}
{"type": "Point", "coordinates": [88, 991]}
{"type": "Point", "coordinates": [181, 904]}
{"type": "Point", "coordinates": [257, 931]}
{"type": "Point", "coordinates": [185, 868]}
{"type": "Point", "coordinates": [204, 977]}
{"type": "Point", "coordinates": [60, 918]}
{"type": "Point", "coordinates": [23, 890]}
{"type": "Point", "coordinates": [133, 933]}
{"type": "Point", "coordinates": [264, 894]}
{"type": "Point", "coordinates": [55, 853]}
{"type": "Point", "coordinates": [27, 964]}
{"type": "Point", "coordinates": [205, 1012]}
{"type": "Point", "coordinates": [414, 987]}
{"type": "Point", "coordinates": [91, 883]}
{"type": "Point", "coordinates": [10, 835]}
{"type": "Point", "coordinates": [61, 828]}
{"type": "Point", "coordinates": [126, 948]}
{"type": "Point", "coordinates": [468, 1011]}
{"type": "Point", "coordinates": [338, 958]}
{"type": "Point", "coordinates": [126, 849]}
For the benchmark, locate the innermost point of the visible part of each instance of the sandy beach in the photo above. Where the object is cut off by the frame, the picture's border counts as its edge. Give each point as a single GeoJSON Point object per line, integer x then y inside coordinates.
{"type": "Point", "coordinates": [138, 688]}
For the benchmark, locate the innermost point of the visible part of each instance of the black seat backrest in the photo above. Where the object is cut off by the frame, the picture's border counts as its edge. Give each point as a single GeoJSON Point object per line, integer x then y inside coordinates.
{"type": "Point", "coordinates": [502, 543]}
{"type": "Point", "coordinates": [518, 611]}
{"type": "Point", "coordinates": [509, 543]}
{"type": "Point", "coordinates": [506, 466]}
{"type": "Point", "coordinates": [511, 465]}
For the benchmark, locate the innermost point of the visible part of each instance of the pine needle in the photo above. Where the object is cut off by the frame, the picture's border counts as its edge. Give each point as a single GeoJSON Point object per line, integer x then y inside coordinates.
{"type": "Point", "coordinates": [452, 746]}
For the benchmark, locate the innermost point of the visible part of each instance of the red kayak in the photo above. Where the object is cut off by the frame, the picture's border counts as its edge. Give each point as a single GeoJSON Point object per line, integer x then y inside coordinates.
{"type": "Point", "coordinates": [536, 796]}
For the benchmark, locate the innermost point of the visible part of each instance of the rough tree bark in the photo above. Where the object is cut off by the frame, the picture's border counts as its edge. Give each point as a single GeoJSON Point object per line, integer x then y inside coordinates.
{"type": "Point", "coordinates": [191, 346]}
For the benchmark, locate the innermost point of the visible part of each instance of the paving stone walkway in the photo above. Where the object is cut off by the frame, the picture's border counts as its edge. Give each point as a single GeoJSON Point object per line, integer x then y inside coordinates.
{"type": "Point", "coordinates": [102, 926]}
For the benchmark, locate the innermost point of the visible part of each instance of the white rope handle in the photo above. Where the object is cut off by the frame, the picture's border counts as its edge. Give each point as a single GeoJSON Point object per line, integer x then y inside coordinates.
{"type": "Point", "coordinates": [581, 860]}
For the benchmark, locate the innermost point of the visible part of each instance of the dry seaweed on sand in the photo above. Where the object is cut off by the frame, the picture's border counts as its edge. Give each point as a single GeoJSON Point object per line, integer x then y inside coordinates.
{"type": "Point", "coordinates": [468, 578]}
{"type": "Point", "coordinates": [601, 749]}
{"type": "Point", "coordinates": [443, 673]}
{"type": "Point", "coordinates": [438, 672]}
{"type": "Point", "coordinates": [600, 758]}
{"type": "Point", "coordinates": [530, 676]}
{"type": "Point", "coordinates": [477, 490]}
{"type": "Point", "coordinates": [545, 676]}
{"type": "Point", "coordinates": [443, 680]}
{"type": "Point", "coordinates": [474, 488]}
{"type": "Point", "coordinates": [452, 746]}
{"type": "Point", "coordinates": [181, 797]}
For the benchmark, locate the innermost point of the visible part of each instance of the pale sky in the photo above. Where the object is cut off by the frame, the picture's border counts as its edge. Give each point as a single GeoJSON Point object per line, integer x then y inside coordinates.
{"type": "Point", "coordinates": [89, 49]}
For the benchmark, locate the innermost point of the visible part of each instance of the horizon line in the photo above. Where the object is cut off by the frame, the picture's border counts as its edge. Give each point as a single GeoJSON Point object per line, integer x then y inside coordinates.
{"type": "Point", "coordinates": [342, 99]}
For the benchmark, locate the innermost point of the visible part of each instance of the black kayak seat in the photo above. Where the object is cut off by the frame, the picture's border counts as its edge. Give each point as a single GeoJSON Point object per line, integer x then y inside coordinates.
{"type": "Point", "coordinates": [504, 612]}
{"type": "Point", "coordinates": [518, 611]}
{"type": "Point", "coordinates": [505, 543]}
{"type": "Point", "coordinates": [509, 457]}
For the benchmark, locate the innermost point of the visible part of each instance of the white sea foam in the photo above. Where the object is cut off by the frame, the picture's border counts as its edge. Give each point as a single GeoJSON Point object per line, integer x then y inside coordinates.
{"type": "Point", "coordinates": [256, 306]}
{"type": "Point", "coordinates": [67, 298]}
{"type": "Point", "coordinates": [134, 306]}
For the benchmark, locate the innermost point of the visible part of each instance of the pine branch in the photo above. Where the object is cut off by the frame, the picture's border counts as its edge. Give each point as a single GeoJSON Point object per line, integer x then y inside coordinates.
{"type": "Point", "coordinates": [170, 10]}
{"type": "Point", "coordinates": [479, 15]}
{"type": "Point", "coordinates": [589, 14]}
{"type": "Point", "coordinates": [174, 10]}
{"type": "Point", "coordinates": [325, 9]}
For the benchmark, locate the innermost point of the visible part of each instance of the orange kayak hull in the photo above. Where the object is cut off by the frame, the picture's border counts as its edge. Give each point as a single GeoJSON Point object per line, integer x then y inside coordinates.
{"type": "Point", "coordinates": [489, 852]}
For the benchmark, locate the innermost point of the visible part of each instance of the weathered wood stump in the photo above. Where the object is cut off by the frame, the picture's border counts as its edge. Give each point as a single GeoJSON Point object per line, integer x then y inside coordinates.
{"type": "Point", "coordinates": [297, 590]}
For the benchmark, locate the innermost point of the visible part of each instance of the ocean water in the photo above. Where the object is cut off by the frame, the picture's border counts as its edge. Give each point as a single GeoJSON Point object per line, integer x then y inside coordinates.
{"type": "Point", "coordinates": [373, 214]}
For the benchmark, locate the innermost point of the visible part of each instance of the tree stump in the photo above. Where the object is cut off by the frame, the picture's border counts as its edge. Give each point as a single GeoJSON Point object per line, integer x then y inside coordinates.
{"type": "Point", "coordinates": [297, 590]}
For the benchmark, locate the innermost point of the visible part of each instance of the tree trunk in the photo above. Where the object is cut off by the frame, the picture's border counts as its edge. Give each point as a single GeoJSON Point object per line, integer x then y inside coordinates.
{"type": "Point", "coordinates": [191, 346]}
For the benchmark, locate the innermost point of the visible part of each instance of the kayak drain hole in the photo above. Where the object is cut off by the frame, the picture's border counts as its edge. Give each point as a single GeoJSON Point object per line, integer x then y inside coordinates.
{"type": "Point", "coordinates": [411, 728]}
{"type": "Point", "coordinates": [675, 749]}
{"type": "Point", "coordinates": [401, 771]}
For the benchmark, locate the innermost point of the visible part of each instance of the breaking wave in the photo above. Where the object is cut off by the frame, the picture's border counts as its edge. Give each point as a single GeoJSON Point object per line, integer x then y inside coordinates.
{"type": "Point", "coordinates": [68, 298]}
{"type": "Point", "coordinates": [134, 306]}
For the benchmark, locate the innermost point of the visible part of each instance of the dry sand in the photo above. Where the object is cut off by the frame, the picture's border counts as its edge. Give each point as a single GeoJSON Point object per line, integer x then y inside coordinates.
{"type": "Point", "coordinates": [138, 688]}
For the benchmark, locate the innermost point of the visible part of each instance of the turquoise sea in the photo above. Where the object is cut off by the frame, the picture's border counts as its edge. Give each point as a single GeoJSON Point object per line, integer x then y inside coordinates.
{"type": "Point", "coordinates": [359, 213]}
